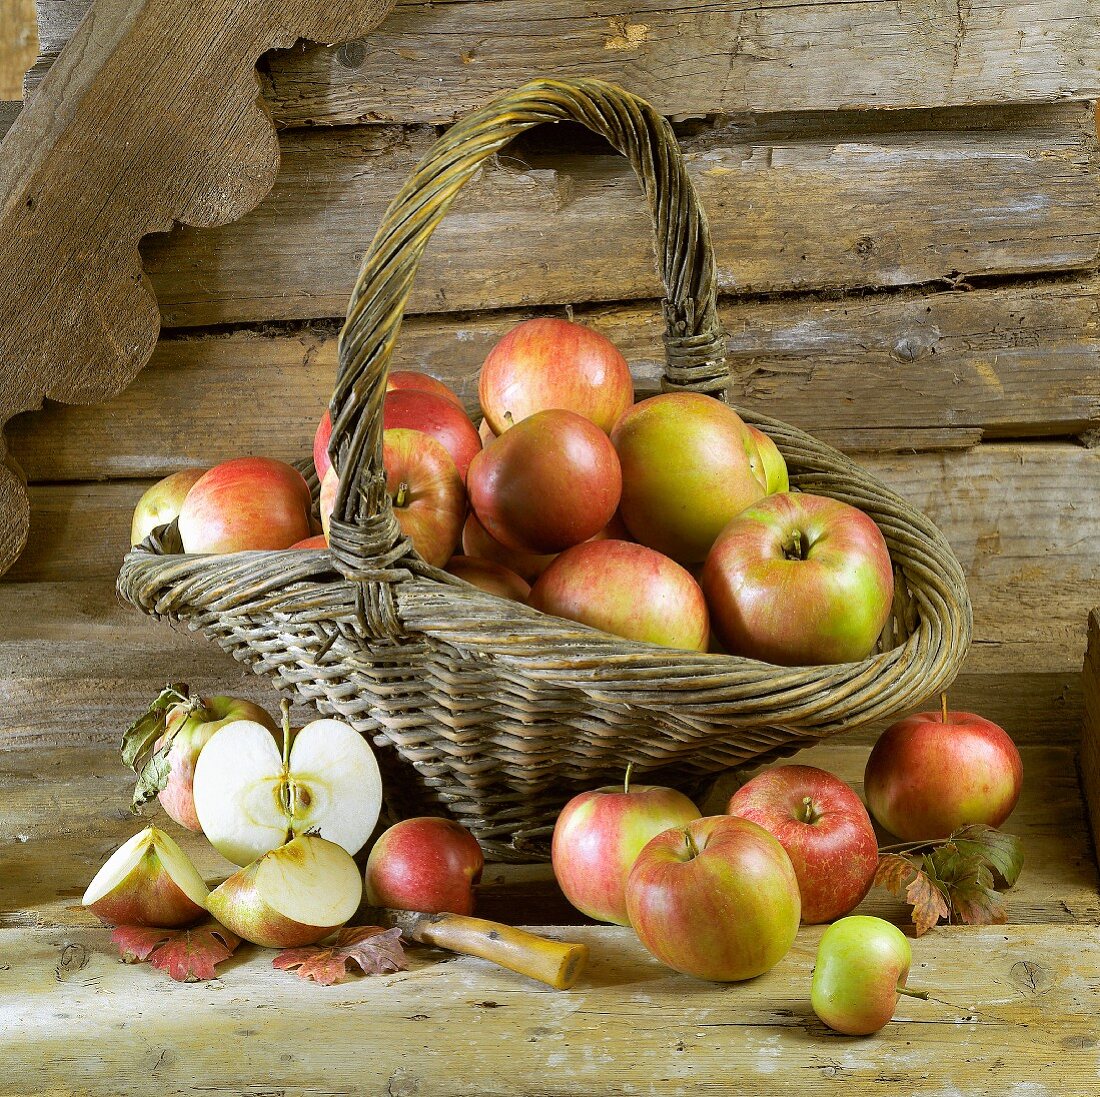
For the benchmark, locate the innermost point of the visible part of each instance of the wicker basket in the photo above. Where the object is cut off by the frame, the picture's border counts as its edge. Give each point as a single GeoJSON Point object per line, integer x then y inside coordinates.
{"type": "Point", "coordinates": [486, 710]}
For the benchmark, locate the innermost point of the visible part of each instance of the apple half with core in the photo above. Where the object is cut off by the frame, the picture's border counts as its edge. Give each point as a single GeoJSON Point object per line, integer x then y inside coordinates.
{"type": "Point", "coordinates": [598, 836]}
{"type": "Point", "coordinates": [251, 798]}
{"type": "Point", "coordinates": [425, 864]}
{"type": "Point", "coordinates": [825, 830]}
{"type": "Point", "coordinates": [291, 896]}
{"type": "Point", "coordinates": [799, 580]}
{"type": "Point", "coordinates": [861, 968]}
{"type": "Point", "coordinates": [717, 899]}
{"type": "Point", "coordinates": [161, 503]}
{"type": "Point", "coordinates": [934, 772]}
{"type": "Point", "coordinates": [147, 881]}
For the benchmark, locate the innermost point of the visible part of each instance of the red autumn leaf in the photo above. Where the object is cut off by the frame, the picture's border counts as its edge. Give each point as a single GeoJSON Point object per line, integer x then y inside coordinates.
{"type": "Point", "coordinates": [187, 955]}
{"type": "Point", "coordinates": [899, 875]}
{"type": "Point", "coordinates": [374, 950]}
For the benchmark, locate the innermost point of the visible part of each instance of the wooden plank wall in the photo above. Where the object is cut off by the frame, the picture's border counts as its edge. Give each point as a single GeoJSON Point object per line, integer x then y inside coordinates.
{"type": "Point", "coordinates": [917, 286]}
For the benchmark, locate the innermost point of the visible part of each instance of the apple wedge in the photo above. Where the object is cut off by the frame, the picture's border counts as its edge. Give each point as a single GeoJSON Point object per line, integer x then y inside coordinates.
{"type": "Point", "coordinates": [147, 881]}
{"type": "Point", "coordinates": [250, 797]}
{"type": "Point", "coordinates": [292, 896]}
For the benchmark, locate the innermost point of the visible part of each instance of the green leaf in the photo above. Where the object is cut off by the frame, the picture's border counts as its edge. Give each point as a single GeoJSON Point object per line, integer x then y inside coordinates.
{"type": "Point", "coordinates": [140, 739]}
{"type": "Point", "coordinates": [1001, 852]}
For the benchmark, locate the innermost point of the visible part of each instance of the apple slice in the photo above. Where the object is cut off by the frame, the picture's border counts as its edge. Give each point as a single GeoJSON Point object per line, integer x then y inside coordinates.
{"type": "Point", "coordinates": [250, 798]}
{"type": "Point", "coordinates": [147, 881]}
{"type": "Point", "coordinates": [291, 896]}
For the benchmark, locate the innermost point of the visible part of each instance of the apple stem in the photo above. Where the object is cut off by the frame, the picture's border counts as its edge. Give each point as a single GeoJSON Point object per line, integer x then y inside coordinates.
{"type": "Point", "coordinates": [626, 778]}
{"type": "Point", "coordinates": [911, 845]}
{"type": "Point", "coordinates": [921, 994]}
{"type": "Point", "coordinates": [402, 494]}
{"type": "Point", "coordinates": [693, 849]}
{"type": "Point", "coordinates": [808, 813]}
{"type": "Point", "coordinates": [943, 705]}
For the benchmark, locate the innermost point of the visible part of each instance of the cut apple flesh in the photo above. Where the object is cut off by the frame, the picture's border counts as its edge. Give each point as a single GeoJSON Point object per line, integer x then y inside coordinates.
{"type": "Point", "coordinates": [147, 881]}
{"type": "Point", "coordinates": [249, 802]}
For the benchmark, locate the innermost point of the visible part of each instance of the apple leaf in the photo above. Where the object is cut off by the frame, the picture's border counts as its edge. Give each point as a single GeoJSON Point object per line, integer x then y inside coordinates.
{"type": "Point", "coordinates": [187, 955]}
{"type": "Point", "coordinates": [139, 744]}
{"type": "Point", "coordinates": [900, 875]}
{"type": "Point", "coordinates": [1000, 851]}
{"type": "Point", "coordinates": [375, 951]}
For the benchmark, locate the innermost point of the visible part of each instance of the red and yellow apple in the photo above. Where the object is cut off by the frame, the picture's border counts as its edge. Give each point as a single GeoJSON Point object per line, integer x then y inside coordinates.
{"type": "Point", "coordinates": [321, 460]}
{"type": "Point", "coordinates": [161, 503]}
{"type": "Point", "coordinates": [799, 580]}
{"type": "Point", "coordinates": [490, 576]}
{"type": "Point", "coordinates": [404, 380]}
{"type": "Point", "coordinates": [477, 543]}
{"type": "Point", "coordinates": [317, 541]}
{"type": "Point", "coordinates": [442, 419]}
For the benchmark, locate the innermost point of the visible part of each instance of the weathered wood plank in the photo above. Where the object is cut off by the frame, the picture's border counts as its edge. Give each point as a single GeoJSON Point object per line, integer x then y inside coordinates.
{"type": "Point", "coordinates": [1090, 736]}
{"type": "Point", "coordinates": [891, 371]}
{"type": "Point", "coordinates": [809, 202]}
{"type": "Point", "coordinates": [18, 46]}
{"type": "Point", "coordinates": [433, 61]}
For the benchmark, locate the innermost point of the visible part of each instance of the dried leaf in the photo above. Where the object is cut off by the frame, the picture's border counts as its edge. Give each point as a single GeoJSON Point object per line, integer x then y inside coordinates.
{"type": "Point", "coordinates": [1001, 852]}
{"type": "Point", "coordinates": [900, 875]}
{"type": "Point", "coordinates": [187, 955]}
{"type": "Point", "coordinates": [139, 744]}
{"type": "Point", "coordinates": [374, 950]}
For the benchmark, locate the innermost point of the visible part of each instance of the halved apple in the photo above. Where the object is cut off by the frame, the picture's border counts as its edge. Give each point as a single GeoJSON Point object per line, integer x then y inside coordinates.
{"type": "Point", "coordinates": [292, 896]}
{"type": "Point", "coordinates": [251, 798]}
{"type": "Point", "coordinates": [147, 881]}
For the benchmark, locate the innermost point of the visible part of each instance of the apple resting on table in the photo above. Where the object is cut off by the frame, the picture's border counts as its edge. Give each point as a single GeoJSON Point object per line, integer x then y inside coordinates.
{"type": "Point", "coordinates": [825, 830]}
{"type": "Point", "coordinates": [161, 503]}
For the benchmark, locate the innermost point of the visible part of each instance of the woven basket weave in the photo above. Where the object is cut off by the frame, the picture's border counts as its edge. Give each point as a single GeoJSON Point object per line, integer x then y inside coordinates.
{"type": "Point", "coordinates": [486, 710]}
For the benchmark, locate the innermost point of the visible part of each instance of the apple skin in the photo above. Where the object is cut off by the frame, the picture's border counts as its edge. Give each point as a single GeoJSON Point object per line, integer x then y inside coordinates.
{"type": "Point", "coordinates": [717, 899]}
{"type": "Point", "coordinates": [799, 580]}
{"type": "Point", "coordinates": [477, 543]}
{"type": "Point", "coordinates": [486, 433]}
{"type": "Point", "coordinates": [425, 864]}
{"type": "Point", "coordinates": [627, 590]}
{"type": "Point", "coordinates": [862, 963]}
{"type": "Point", "coordinates": [402, 380]}
{"type": "Point", "coordinates": [246, 503]}
{"type": "Point", "coordinates": [775, 468]}
{"type": "Point", "coordinates": [825, 830]}
{"type": "Point", "coordinates": [191, 725]}
{"type": "Point", "coordinates": [321, 460]}
{"type": "Point", "coordinates": [412, 409]}
{"type": "Point", "coordinates": [551, 363]}
{"type": "Point", "coordinates": [317, 541]}
{"type": "Point", "coordinates": [926, 778]}
{"type": "Point", "coordinates": [597, 839]}
{"type": "Point", "coordinates": [689, 466]}
{"type": "Point", "coordinates": [489, 576]}
{"type": "Point", "coordinates": [551, 481]}
{"type": "Point", "coordinates": [161, 503]}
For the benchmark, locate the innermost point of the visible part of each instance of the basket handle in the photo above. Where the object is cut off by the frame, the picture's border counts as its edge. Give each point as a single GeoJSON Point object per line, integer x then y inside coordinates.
{"type": "Point", "coordinates": [364, 536]}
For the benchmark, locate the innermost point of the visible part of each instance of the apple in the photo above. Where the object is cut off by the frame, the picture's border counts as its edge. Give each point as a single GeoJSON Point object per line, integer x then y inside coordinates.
{"type": "Point", "coordinates": [486, 433]}
{"type": "Point", "coordinates": [408, 380]}
{"type": "Point", "coordinates": [934, 772]}
{"type": "Point", "coordinates": [550, 363]}
{"type": "Point", "coordinates": [689, 465]}
{"type": "Point", "coordinates": [598, 836]}
{"type": "Point", "coordinates": [424, 864]}
{"type": "Point", "coordinates": [252, 797]}
{"type": "Point", "coordinates": [246, 503]}
{"type": "Point", "coordinates": [161, 503]}
{"type": "Point", "coordinates": [291, 896]}
{"type": "Point", "coordinates": [775, 468]}
{"type": "Point", "coordinates": [477, 543]}
{"type": "Point", "coordinates": [799, 580]}
{"type": "Point", "coordinates": [410, 409]}
{"type": "Point", "coordinates": [717, 899]}
{"type": "Point", "coordinates": [489, 576]}
{"type": "Point", "coordinates": [825, 830]}
{"type": "Point", "coordinates": [628, 590]}
{"type": "Point", "coordinates": [861, 968]}
{"type": "Point", "coordinates": [147, 881]}
{"type": "Point", "coordinates": [189, 725]}
{"type": "Point", "coordinates": [318, 541]}
{"type": "Point", "coordinates": [547, 483]}
{"type": "Point", "coordinates": [321, 460]}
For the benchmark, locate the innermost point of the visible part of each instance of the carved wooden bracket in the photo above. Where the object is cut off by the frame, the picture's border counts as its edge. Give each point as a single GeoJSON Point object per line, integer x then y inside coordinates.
{"type": "Point", "coordinates": [152, 114]}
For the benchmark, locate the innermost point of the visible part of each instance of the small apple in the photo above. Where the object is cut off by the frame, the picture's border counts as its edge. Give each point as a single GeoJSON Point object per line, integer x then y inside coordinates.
{"type": "Point", "coordinates": [401, 380]}
{"type": "Point", "coordinates": [825, 830]}
{"type": "Point", "coordinates": [318, 541]}
{"type": "Point", "coordinates": [799, 580]}
{"type": "Point", "coordinates": [321, 460]}
{"type": "Point", "coordinates": [250, 797]}
{"type": "Point", "coordinates": [717, 899]}
{"type": "Point", "coordinates": [246, 503]}
{"type": "Point", "coordinates": [862, 965]}
{"type": "Point", "coordinates": [549, 363]}
{"type": "Point", "coordinates": [489, 576]}
{"type": "Point", "coordinates": [477, 543]}
{"type": "Point", "coordinates": [775, 468]}
{"type": "Point", "coordinates": [934, 772]}
{"type": "Point", "coordinates": [161, 503]}
{"type": "Point", "coordinates": [425, 864]}
{"type": "Point", "coordinates": [689, 465]}
{"type": "Point", "coordinates": [436, 416]}
{"type": "Point", "coordinates": [598, 836]}
{"type": "Point", "coordinates": [294, 895]}
{"type": "Point", "coordinates": [550, 481]}
{"type": "Point", "coordinates": [628, 590]}
{"type": "Point", "coordinates": [147, 881]}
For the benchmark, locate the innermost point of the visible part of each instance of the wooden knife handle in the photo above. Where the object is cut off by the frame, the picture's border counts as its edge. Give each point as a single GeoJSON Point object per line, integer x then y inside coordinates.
{"type": "Point", "coordinates": [557, 963]}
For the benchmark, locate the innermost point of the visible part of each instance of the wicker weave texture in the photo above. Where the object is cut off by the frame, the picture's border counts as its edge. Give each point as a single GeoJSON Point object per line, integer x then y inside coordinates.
{"type": "Point", "coordinates": [487, 710]}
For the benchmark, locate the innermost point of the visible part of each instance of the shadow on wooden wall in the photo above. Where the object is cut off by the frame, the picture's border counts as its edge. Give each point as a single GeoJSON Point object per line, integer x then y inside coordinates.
{"type": "Point", "coordinates": [18, 45]}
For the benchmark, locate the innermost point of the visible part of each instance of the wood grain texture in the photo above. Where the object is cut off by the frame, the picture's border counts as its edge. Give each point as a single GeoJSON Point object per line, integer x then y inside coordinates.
{"type": "Point", "coordinates": [84, 175]}
{"type": "Point", "coordinates": [887, 372]}
{"type": "Point", "coordinates": [1090, 733]}
{"type": "Point", "coordinates": [431, 62]}
{"type": "Point", "coordinates": [795, 203]}
{"type": "Point", "coordinates": [18, 45]}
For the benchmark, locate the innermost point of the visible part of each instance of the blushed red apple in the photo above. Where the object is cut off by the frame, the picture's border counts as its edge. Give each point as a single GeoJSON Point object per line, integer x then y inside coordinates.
{"type": "Point", "coordinates": [442, 419]}
{"type": "Point", "coordinates": [401, 380]}
{"type": "Point", "coordinates": [321, 460]}
{"type": "Point", "coordinates": [490, 576]}
{"type": "Point", "coordinates": [477, 542]}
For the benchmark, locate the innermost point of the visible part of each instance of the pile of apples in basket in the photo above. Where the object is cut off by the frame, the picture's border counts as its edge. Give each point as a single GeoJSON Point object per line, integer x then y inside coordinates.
{"type": "Point", "coordinates": [667, 521]}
